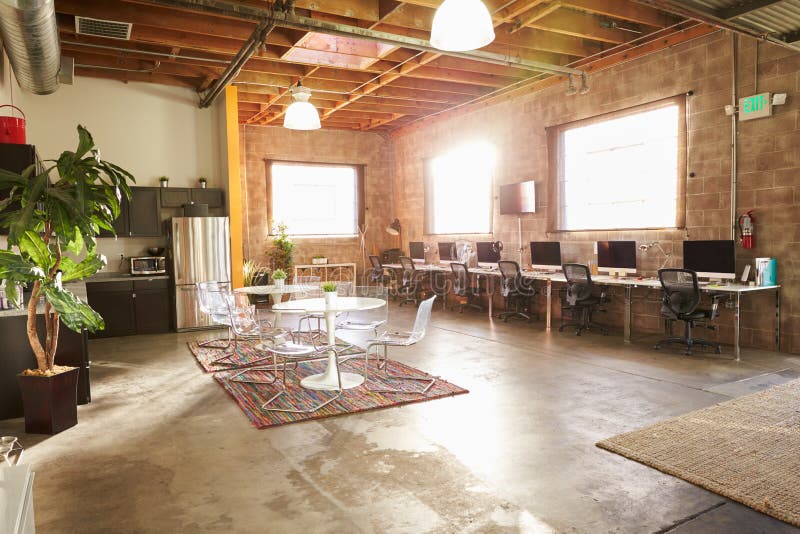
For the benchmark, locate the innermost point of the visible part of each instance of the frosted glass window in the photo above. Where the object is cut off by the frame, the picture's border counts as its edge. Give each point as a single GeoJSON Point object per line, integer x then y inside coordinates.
{"type": "Point", "coordinates": [315, 199]}
{"type": "Point", "coordinates": [620, 173]}
{"type": "Point", "coordinates": [459, 192]}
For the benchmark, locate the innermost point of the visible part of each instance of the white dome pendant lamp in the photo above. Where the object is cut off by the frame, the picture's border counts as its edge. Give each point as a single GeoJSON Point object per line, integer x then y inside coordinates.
{"type": "Point", "coordinates": [301, 114]}
{"type": "Point", "coordinates": [461, 25]}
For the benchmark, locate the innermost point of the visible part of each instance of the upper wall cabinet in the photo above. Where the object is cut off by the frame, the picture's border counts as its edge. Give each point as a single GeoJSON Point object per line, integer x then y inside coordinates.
{"type": "Point", "coordinates": [175, 197]}
{"type": "Point", "coordinates": [140, 216]}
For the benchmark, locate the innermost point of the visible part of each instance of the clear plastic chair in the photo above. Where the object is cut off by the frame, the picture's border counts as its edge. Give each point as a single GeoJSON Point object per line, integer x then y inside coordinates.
{"type": "Point", "coordinates": [343, 289]}
{"type": "Point", "coordinates": [249, 323]}
{"type": "Point", "coordinates": [366, 321]}
{"type": "Point", "coordinates": [213, 298]}
{"type": "Point", "coordinates": [400, 339]}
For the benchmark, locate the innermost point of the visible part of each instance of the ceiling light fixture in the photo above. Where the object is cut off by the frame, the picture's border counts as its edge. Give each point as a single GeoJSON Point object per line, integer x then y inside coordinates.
{"type": "Point", "coordinates": [584, 84]}
{"type": "Point", "coordinates": [461, 25]}
{"type": "Point", "coordinates": [301, 114]}
{"type": "Point", "coordinates": [571, 89]}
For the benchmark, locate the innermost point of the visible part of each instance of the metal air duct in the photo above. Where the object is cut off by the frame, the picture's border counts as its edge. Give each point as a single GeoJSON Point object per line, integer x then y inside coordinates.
{"type": "Point", "coordinates": [30, 37]}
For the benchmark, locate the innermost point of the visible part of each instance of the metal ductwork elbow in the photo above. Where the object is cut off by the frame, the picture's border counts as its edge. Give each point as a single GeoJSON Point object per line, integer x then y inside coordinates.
{"type": "Point", "coordinates": [30, 37]}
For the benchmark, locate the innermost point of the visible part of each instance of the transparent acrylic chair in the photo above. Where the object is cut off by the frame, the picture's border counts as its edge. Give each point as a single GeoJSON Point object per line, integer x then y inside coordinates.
{"type": "Point", "coordinates": [213, 298]}
{"type": "Point", "coordinates": [367, 321]}
{"type": "Point", "coordinates": [400, 339]}
{"type": "Point", "coordinates": [249, 323]}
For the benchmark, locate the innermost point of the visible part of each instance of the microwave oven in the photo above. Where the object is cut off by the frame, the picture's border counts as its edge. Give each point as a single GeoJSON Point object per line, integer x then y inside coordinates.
{"type": "Point", "coordinates": [148, 265]}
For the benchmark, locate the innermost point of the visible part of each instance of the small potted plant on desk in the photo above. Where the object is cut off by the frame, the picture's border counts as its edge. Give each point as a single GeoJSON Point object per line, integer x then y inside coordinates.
{"type": "Point", "coordinates": [278, 277]}
{"type": "Point", "coordinates": [329, 290]}
{"type": "Point", "coordinates": [53, 223]}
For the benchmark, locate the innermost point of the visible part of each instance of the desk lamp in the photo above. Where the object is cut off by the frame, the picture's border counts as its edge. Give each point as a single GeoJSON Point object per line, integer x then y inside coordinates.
{"type": "Point", "coordinates": [644, 247]}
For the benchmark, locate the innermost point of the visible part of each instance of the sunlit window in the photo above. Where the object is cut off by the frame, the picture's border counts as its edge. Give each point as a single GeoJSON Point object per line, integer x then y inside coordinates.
{"type": "Point", "coordinates": [624, 172]}
{"type": "Point", "coordinates": [459, 191]}
{"type": "Point", "coordinates": [315, 199]}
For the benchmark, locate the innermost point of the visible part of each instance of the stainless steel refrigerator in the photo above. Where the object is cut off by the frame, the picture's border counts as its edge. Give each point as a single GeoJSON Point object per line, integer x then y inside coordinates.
{"type": "Point", "coordinates": [201, 252]}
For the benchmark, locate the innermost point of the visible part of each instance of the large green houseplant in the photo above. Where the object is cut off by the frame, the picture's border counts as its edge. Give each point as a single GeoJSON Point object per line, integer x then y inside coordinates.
{"type": "Point", "coordinates": [53, 219]}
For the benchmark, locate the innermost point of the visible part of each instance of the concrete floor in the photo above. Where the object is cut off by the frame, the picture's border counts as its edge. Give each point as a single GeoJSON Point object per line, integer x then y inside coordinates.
{"type": "Point", "coordinates": [162, 448]}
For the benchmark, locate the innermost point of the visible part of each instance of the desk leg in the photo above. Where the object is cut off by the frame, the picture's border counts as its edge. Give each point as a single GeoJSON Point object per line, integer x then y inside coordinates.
{"type": "Point", "coordinates": [627, 319]}
{"type": "Point", "coordinates": [736, 329]}
{"type": "Point", "coordinates": [490, 292]}
{"type": "Point", "coordinates": [778, 319]}
{"type": "Point", "coordinates": [327, 381]}
{"type": "Point", "coordinates": [549, 290]}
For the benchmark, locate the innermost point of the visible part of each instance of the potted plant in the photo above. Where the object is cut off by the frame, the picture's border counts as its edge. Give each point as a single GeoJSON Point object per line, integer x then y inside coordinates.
{"type": "Point", "coordinates": [53, 223]}
{"type": "Point", "coordinates": [164, 180]}
{"type": "Point", "coordinates": [253, 274]}
{"type": "Point", "coordinates": [329, 290]}
{"type": "Point", "coordinates": [202, 181]}
{"type": "Point", "coordinates": [280, 255]}
{"type": "Point", "coordinates": [319, 260]}
{"type": "Point", "coordinates": [278, 277]}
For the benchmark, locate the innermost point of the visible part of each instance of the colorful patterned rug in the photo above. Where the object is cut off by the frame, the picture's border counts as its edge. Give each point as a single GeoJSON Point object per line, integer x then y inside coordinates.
{"type": "Point", "coordinates": [745, 449]}
{"type": "Point", "coordinates": [245, 355]}
{"type": "Point", "coordinates": [250, 397]}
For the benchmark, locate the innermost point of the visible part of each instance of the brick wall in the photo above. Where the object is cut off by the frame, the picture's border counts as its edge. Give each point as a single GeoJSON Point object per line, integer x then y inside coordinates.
{"type": "Point", "coordinates": [322, 146]}
{"type": "Point", "coordinates": [769, 165]}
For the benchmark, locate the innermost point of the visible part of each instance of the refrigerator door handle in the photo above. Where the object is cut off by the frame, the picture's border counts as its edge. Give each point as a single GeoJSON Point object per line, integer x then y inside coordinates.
{"type": "Point", "coordinates": [176, 239]}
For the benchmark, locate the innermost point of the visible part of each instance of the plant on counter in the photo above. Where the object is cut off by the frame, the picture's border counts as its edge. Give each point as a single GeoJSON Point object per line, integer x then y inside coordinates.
{"type": "Point", "coordinates": [280, 255]}
{"type": "Point", "coordinates": [328, 287]}
{"type": "Point", "coordinates": [53, 223]}
{"type": "Point", "coordinates": [279, 274]}
{"type": "Point", "coordinates": [164, 181]}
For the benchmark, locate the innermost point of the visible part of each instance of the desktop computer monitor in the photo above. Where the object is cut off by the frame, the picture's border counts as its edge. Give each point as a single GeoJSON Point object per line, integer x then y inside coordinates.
{"type": "Point", "coordinates": [710, 259]}
{"type": "Point", "coordinates": [447, 251]}
{"type": "Point", "coordinates": [488, 252]}
{"type": "Point", "coordinates": [616, 256]}
{"type": "Point", "coordinates": [546, 255]}
{"type": "Point", "coordinates": [416, 250]}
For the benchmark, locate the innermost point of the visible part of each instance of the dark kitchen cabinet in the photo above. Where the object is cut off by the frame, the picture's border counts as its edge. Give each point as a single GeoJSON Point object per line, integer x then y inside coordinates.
{"type": "Point", "coordinates": [140, 216]}
{"type": "Point", "coordinates": [121, 227]}
{"type": "Point", "coordinates": [131, 307]}
{"type": "Point", "coordinates": [176, 197]}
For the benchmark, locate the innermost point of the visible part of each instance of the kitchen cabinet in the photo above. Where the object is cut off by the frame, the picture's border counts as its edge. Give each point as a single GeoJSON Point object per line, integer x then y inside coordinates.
{"type": "Point", "coordinates": [176, 197]}
{"type": "Point", "coordinates": [140, 216]}
{"type": "Point", "coordinates": [131, 307]}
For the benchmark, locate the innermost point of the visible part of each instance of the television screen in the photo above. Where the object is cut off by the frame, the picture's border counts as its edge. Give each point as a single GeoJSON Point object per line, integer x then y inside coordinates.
{"type": "Point", "coordinates": [546, 254]}
{"type": "Point", "coordinates": [416, 250]}
{"type": "Point", "coordinates": [516, 199]}
{"type": "Point", "coordinates": [711, 259]}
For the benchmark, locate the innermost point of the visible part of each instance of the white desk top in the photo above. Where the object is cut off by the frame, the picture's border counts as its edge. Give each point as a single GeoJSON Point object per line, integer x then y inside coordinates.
{"type": "Point", "coordinates": [342, 304]}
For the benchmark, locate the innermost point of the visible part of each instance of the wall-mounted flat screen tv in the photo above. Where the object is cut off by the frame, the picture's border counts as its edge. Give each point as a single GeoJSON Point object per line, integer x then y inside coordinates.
{"type": "Point", "coordinates": [516, 199]}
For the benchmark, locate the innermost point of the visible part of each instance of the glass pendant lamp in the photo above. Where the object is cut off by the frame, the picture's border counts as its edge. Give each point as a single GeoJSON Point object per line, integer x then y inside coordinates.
{"type": "Point", "coordinates": [461, 25]}
{"type": "Point", "coordinates": [301, 114]}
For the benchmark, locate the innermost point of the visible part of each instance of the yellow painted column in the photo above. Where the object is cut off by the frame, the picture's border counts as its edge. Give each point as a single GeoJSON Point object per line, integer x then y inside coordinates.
{"type": "Point", "coordinates": [235, 207]}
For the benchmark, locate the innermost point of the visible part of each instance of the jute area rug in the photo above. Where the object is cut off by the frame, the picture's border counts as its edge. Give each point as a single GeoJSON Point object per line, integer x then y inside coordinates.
{"type": "Point", "coordinates": [746, 449]}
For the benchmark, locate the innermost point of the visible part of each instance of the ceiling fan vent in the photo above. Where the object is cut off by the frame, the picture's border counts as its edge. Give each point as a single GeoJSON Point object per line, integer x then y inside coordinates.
{"type": "Point", "coordinates": [103, 28]}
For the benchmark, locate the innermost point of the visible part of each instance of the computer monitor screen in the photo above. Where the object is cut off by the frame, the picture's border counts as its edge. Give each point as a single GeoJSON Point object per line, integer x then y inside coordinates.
{"type": "Point", "coordinates": [447, 251]}
{"type": "Point", "coordinates": [416, 250]}
{"type": "Point", "coordinates": [488, 252]}
{"type": "Point", "coordinates": [546, 255]}
{"type": "Point", "coordinates": [618, 256]}
{"type": "Point", "coordinates": [516, 199]}
{"type": "Point", "coordinates": [711, 259]}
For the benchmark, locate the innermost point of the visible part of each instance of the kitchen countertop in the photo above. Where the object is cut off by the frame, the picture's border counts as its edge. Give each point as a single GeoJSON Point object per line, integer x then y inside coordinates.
{"type": "Point", "coordinates": [78, 288]}
{"type": "Point", "coordinates": [124, 277]}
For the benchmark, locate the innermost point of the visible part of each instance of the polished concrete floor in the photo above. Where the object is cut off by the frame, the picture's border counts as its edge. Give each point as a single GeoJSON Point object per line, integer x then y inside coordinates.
{"type": "Point", "coordinates": [162, 448]}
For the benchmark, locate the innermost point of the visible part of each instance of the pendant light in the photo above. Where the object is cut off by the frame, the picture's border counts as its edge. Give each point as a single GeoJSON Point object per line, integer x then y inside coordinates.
{"type": "Point", "coordinates": [461, 25]}
{"type": "Point", "coordinates": [301, 114]}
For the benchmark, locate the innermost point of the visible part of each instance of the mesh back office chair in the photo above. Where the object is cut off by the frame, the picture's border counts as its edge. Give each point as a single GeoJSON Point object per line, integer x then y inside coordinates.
{"type": "Point", "coordinates": [400, 339]}
{"type": "Point", "coordinates": [410, 289]}
{"type": "Point", "coordinates": [463, 288]}
{"type": "Point", "coordinates": [680, 303]}
{"type": "Point", "coordinates": [580, 301]}
{"type": "Point", "coordinates": [516, 290]}
{"type": "Point", "coordinates": [377, 274]}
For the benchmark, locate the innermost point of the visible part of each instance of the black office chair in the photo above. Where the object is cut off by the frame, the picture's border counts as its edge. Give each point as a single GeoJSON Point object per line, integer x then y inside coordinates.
{"type": "Point", "coordinates": [516, 290]}
{"type": "Point", "coordinates": [680, 303]}
{"type": "Point", "coordinates": [580, 301]}
{"type": "Point", "coordinates": [463, 288]}
{"type": "Point", "coordinates": [377, 274]}
{"type": "Point", "coordinates": [410, 289]}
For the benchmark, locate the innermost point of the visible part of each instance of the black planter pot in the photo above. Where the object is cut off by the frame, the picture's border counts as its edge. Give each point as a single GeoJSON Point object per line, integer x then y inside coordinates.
{"type": "Point", "coordinates": [50, 402]}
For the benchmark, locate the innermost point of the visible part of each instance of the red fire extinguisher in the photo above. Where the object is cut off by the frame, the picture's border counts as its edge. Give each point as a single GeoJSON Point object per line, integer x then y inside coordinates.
{"type": "Point", "coordinates": [747, 229]}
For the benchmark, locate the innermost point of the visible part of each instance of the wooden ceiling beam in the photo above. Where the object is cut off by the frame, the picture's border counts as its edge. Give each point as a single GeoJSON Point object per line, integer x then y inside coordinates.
{"type": "Point", "coordinates": [532, 15]}
{"type": "Point", "coordinates": [578, 24]}
{"type": "Point", "coordinates": [126, 77]}
{"type": "Point", "coordinates": [623, 10]}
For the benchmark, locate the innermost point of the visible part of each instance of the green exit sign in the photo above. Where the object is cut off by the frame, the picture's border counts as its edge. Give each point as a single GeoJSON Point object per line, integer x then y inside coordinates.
{"type": "Point", "coordinates": [755, 107]}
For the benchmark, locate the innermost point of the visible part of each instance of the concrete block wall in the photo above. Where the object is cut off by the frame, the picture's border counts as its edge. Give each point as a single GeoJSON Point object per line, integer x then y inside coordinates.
{"type": "Point", "coordinates": [322, 146]}
{"type": "Point", "coordinates": [768, 178]}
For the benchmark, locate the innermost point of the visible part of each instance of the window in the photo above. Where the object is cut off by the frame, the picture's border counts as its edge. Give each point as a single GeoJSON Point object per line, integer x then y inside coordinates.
{"type": "Point", "coordinates": [316, 199]}
{"type": "Point", "coordinates": [622, 170]}
{"type": "Point", "coordinates": [458, 192]}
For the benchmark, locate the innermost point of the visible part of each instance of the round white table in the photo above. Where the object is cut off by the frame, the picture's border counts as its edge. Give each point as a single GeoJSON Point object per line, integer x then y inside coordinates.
{"type": "Point", "coordinates": [271, 290]}
{"type": "Point", "coordinates": [327, 380]}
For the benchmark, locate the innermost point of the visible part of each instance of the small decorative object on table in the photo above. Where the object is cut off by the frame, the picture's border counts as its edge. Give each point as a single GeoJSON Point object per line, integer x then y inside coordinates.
{"type": "Point", "coordinates": [319, 260]}
{"type": "Point", "coordinates": [164, 181]}
{"type": "Point", "coordinates": [278, 277]}
{"type": "Point", "coordinates": [202, 182]}
{"type": "Point", "coordinates": [329, 289]}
